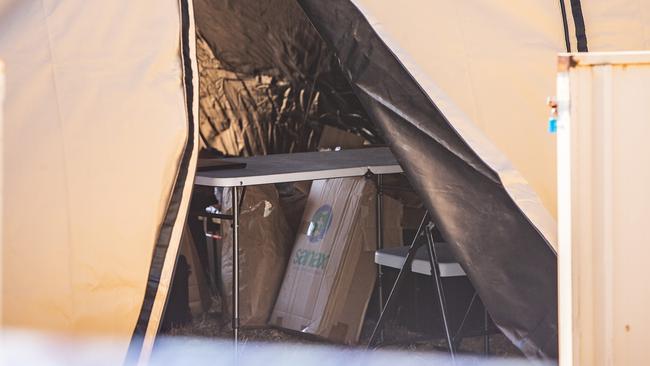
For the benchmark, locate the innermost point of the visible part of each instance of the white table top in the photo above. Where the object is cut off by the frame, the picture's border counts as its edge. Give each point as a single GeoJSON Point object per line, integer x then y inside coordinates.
{"type": "Point", "coordinates": [395, 258]}
{"type": "Point", "coordinates": [283, 168]}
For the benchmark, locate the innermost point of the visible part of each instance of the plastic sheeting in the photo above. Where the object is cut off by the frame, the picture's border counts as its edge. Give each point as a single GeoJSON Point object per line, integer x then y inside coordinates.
{"type": "Point", "coordinates": [268, 81]}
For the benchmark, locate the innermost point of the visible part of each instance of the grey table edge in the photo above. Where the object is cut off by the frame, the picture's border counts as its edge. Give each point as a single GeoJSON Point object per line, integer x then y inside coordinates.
{"type": "Point", "coordinates": [284, 168]}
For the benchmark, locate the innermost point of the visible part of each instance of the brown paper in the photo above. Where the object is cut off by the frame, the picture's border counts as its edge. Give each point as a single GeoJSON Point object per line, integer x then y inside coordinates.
{"type": "Point", "coordinates": [264, 247]}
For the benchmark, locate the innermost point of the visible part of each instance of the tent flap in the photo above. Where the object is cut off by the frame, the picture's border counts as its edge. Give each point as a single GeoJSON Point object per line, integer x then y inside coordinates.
{"type": "Point", "coordinates": [98, 156]}
{"type": "Point", "coordinates": [511, 264]}
{"type": "Point", "coordinates": [167, 245]}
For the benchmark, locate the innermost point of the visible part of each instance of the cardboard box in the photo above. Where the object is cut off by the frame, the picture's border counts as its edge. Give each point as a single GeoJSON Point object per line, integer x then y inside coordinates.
{"type": "Point", "coordinates": [331, 272]}
{"type": "Point", "coordinates": [264, 248]}
{"type": "Point", "coordinates": [332, 138]}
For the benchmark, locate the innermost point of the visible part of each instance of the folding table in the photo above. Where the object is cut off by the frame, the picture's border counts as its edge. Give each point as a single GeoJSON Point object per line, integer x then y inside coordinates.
{"type": "Point", "coordinates": [284, 168]}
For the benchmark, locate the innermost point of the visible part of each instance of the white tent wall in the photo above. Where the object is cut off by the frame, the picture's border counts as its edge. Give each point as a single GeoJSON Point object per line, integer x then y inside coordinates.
{"type": "Point", "coordinates": [617, 25]}
{"type": "Point", "coordinates": [97, 134]}
{"type": "Point", "coordinates": [495, 60]}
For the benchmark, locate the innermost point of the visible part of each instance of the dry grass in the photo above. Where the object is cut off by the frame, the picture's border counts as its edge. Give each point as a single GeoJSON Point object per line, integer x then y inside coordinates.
{"type": "Point", "coordinates": [212, 325]}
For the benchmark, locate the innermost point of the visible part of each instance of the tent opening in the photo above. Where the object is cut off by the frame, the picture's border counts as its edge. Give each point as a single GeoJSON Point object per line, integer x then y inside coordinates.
{"type": "Point", "coordinates": [269, 84]}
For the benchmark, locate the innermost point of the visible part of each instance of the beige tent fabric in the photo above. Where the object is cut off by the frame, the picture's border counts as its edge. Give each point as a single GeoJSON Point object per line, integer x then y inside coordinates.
{"type": "Point", "coordinates": [2, 98]}
{"type": "Point", "coordinates": [617, 25]}
{"type": "Point", "coordinates": [95, 125]}
{"type": "Point", "coordinates": [489, 65]}
{"type": "Point", "coordinates": [172, 252]}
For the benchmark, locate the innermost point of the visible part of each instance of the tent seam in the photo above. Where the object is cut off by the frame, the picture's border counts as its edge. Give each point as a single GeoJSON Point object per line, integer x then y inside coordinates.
{"type": "Point", "coordinates": [176, 197]}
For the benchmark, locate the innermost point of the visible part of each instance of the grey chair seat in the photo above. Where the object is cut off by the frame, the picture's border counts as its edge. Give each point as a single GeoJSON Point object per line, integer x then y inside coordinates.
{"type": "Point", "coordinates": [395, 257]}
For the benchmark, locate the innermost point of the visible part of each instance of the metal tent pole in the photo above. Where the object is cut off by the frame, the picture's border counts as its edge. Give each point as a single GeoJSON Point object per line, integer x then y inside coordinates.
{"type": "Point", "coordinates": [435, 272]}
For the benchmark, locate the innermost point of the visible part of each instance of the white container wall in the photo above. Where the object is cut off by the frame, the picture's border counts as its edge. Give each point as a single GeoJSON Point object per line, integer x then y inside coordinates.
{"type": "Point", "coordinates": [603, 156]}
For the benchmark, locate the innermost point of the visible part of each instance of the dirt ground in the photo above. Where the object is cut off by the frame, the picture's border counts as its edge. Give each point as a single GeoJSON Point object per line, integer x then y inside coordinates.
{"type": "Point", "coordinates": [212, 325]}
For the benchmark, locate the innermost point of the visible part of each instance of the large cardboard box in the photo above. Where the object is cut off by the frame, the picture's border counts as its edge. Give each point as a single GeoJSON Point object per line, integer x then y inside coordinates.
{"type": "Point", "coordinates": [332, 138]}
{"type": "Point", "coordinates": [331, 272]}
{"type": "Point", "coordinates": [264, 248]}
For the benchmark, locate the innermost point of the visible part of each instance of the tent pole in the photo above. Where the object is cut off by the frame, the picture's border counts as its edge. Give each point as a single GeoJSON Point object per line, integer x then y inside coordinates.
{"type": "Point", "coordinates": [435, 273]}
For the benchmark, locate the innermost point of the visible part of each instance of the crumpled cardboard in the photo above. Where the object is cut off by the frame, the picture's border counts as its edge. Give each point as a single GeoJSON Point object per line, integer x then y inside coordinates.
{"type": "Point", "coordinates": [264, 248]}
{"type": "Point", "coordinates": [331, 273]}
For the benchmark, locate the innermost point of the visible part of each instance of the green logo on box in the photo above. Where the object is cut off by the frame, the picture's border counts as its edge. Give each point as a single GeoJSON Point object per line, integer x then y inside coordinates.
{"type": "Point", "coordinates": [319, 224]}
{"type": "Point", "coordinates": [310, 258]}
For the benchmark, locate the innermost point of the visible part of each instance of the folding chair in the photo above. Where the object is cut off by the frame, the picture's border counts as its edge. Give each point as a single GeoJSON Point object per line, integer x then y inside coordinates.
{"type": "Point", "coordinates": [432, 260]}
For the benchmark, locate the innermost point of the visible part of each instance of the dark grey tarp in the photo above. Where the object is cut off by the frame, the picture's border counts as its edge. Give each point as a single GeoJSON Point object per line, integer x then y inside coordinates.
{"type": "Point", "coordinates": [510, 263]}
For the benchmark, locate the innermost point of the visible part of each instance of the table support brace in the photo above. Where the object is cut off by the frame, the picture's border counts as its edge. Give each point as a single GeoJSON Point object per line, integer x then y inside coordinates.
{"type": "Point", "coordinates": [437, 280]}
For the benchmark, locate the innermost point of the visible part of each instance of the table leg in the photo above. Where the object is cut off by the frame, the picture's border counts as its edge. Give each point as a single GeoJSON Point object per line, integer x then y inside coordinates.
{"type": "Point", "coordinates": [235, 265]}
{"type": "Point", "coordinates": [380, 245]}
{"type": "Point", "coordinates": [437, 280]}
{"type": "Point", "coordinates": [486, 329]}
{"type": "Point", "coordinates": [406, 268]}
